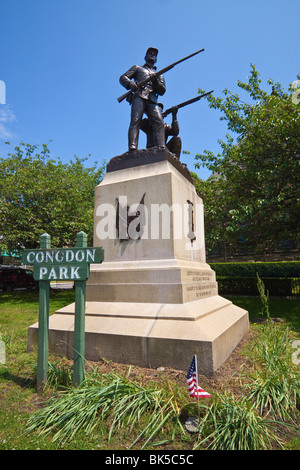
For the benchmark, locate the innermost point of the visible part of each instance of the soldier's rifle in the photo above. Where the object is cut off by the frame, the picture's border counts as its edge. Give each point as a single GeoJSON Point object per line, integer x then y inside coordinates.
{"type": "Point", "coordinates": [155, 75]}
{"type": "Point", "coordinates": [185, 103]}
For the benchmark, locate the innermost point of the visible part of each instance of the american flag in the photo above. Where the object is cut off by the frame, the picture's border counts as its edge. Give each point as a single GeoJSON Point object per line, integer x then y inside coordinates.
{"type": "Point", "coordinates": [194, 390]}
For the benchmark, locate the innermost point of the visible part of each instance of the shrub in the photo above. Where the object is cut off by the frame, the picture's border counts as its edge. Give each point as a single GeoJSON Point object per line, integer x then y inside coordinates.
{"type": "Point", "coordinates": [280, 278]}
{"type": "Point", "coordinates": [290, 269]}
{"type": "Point", "coordinates": [283, 287]}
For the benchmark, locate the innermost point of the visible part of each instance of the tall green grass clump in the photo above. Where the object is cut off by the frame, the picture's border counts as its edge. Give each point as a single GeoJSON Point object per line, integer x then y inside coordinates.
{"type": "Point", "coordinates": [274, 385]}
{"type": "Point", "coordinates": [108, 402]}
{"type": "Point", "coordinates": [231, 424]}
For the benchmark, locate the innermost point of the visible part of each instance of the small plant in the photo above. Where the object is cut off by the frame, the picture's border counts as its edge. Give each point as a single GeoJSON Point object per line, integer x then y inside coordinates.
{"type": "Point", "coordinates": [59, 375]}
{"type": "Point", "coordinates": [264, 298]}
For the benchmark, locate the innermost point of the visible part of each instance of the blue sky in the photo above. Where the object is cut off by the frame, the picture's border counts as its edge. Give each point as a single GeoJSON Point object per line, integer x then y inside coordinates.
{"type": "Point", "coordinates": [61, 61]}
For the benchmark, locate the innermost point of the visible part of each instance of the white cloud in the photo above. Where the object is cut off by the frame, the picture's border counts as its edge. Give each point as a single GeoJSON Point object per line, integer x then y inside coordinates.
{"type": "Point", "coordinates": [7, 117]}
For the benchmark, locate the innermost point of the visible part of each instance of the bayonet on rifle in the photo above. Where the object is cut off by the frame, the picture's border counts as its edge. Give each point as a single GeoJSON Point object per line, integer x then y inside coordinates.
{"type": "Point", "coordinates": [156, 74]}
{"type": "Point", "coordinates": [185, 103]}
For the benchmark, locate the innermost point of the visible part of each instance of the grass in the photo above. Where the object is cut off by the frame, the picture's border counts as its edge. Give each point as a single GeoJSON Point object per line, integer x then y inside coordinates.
{"type": "Point", "coordinates": [18, 310]}
{"type": "Point", "coordinates": [115, 410]}
{"type": "Point", "coordinates": [288, 309]}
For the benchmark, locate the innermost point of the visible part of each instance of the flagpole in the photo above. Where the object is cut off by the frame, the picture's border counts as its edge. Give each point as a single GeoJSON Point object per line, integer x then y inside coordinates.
{"type": "Point", "coordinates": [196, 366]}
{"type": "Point", "coordinates": [198, 398]}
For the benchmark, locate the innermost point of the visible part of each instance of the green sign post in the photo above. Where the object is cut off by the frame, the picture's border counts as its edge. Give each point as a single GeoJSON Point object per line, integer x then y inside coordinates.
{"type": "Point", "coordinates": [62, 264]}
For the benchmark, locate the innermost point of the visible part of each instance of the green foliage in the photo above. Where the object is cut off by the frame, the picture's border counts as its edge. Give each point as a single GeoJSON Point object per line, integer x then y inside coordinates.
{"type": "Point", "coordinates": [280, 287]}
{"type": "Point", "coordinates": [267, 269]}
{"type": "Point", "coordinates": [231, 424]}
{"type": "Point", "coordinates": [104, 401]}
{"type": "Point", "coordinates": [253, 199]}
{"type": "Point", "coordinates": [39, 194]}
{"type": "Point", "coordinates": [264, 296]}
{"type": "Point", "coordinates": [59, 375]}
{"type": "Point", "coordinates": [275, 387]}
{"type": "Point", "coordinates": [280, 278]}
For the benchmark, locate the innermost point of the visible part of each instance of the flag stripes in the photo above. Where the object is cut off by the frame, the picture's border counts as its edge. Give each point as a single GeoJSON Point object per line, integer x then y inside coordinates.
{"type": "Point", "coordinates": [192, 379]}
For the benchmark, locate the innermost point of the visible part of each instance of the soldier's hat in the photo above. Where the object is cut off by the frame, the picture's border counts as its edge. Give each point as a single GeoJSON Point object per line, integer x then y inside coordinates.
{"type": "Point", "coordinates": [152, 49]}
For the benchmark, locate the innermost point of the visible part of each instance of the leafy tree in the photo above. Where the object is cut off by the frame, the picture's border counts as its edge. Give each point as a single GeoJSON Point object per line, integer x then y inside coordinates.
{"type": "Point", "coordinates": [39, 194]}
{"type": "Point", "coordinates": [255, 195]}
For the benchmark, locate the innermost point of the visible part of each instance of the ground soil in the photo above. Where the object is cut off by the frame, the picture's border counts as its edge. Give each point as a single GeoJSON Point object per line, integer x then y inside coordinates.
{"type": "Point", "coordinates": [230, 371]}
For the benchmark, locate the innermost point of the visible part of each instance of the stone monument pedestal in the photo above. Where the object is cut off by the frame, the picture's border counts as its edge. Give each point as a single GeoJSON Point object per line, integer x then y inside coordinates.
{"type": "Point", "coordinates": [154, 300]}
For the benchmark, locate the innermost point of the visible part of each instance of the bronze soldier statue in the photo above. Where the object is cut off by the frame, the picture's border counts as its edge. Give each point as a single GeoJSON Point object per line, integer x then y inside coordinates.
{"type": "Point", "coordinates": [144, 99]}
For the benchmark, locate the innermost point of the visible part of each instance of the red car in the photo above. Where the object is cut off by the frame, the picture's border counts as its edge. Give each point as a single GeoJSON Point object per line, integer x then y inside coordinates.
{"type": "Point", "coordinates": [13, 278]}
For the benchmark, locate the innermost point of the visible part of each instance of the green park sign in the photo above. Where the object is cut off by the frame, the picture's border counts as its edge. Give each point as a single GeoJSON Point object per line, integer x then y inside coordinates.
{"type": "Point", "coordinates": [62, 264]}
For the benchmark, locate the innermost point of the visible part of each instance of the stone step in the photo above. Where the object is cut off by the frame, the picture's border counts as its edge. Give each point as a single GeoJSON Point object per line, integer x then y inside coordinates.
{"type": "Point", "coordinates": [152, 335]}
